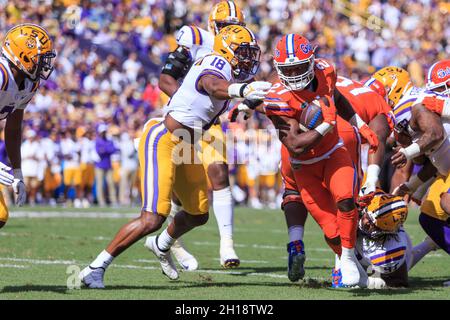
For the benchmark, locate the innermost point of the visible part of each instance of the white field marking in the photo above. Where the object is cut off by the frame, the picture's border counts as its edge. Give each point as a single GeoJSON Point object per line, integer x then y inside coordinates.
{"type": "Point", "coordinates": [72, 214]}
{"type": "Point", "coordinates": [248, 261]}
{"type": "Point", "coordinates": [256, 246]}
{"type": "Point", "coordinates": [128, 266]}
{"type": "Point", "coordinates": [14, 266]}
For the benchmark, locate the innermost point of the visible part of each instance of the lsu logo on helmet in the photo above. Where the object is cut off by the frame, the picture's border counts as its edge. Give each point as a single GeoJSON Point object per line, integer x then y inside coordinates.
{"type": "Point", "coordinates": [30, 48]}
{"type": "Point", "coordinates": [386, 213]}
{"type": "Point", "coordinates": [396, 82]}
{"type": "Point", "coordinates": [237, 44]}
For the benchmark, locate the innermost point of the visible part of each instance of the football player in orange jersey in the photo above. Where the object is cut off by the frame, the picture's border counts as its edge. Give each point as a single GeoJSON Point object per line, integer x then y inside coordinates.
{"type": "Point", "coordinates": [323, 169]}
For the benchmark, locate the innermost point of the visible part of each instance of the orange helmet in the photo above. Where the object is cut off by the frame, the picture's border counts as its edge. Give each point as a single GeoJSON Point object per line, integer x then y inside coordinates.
{"type": "Point", "coordinates": [223, 14]}
{"type": "Point", "coordinates": [30, 48]}
{"type": "Point", "coordinates": [438, 78]}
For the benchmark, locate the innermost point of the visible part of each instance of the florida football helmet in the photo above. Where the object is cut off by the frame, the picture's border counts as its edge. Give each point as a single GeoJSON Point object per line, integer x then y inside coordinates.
{"type": "Point", "coordinates": [223, 14]}
{"type": "Point", "coordinates": [30, 48]}
{"type": "Point", "coordinates": [438, 77]}
{"type": "Point", "coordinates": [237, 44]}
{"type": "Point", "coordinates": [396, 82]}
{"type": "Point", "coordinates": [384, 215]}
{"type": "Point", "coordinates": [294, 61]}
{"type": "Point", "coordinates": [376, 86]}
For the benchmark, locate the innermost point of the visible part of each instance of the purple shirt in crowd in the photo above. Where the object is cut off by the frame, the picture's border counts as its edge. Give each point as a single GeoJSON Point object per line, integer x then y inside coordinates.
{"type": "Point", "coordinates": [105, 148]}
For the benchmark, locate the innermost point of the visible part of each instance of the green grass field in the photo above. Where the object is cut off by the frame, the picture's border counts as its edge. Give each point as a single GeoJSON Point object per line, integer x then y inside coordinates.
{"type": "Point", "coordinates": [36, 252]}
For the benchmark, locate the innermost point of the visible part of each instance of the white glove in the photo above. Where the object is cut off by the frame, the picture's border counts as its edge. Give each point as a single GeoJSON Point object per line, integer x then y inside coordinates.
{"type": "Point", "coordinates": [375, 283]}
{"type": "Point", "coordinates": [6, 179]}
{"type": "Point", "coordinates": [19, 187]}
{"type": "Point", "coordinates": [242, 107]}
{"type": "Point", "coordinates": [256, 90]}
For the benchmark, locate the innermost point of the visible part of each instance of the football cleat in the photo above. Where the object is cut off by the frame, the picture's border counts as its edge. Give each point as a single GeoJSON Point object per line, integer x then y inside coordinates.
{"type": "Point", "coordinates": [228, 257]}
{"type": "Point", "coordinates": [186, 260]}
{"type": "Point", "coordinates": [296, 260]}
{"type": "Point", "coordinates": [336, 278]}
{"type": "Point", "coordinates": [165, 258]}
{"type": "Point", "coordinates": [349, 269]}
{"type": "Point", "coordinates": [92, 277]}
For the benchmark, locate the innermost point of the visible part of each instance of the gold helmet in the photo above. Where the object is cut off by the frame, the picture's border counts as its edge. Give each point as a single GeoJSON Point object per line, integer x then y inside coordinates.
{"type": "Point", "coordinates": [237, 44]}
{"type": "Point", "coordinates": [384, 215]}
{"type": "Point", "coordinates": [223, 14]}
{"type": "Point", "coordinates": [30, 48]}
{"type": "Point", "coordinates": [396, 82]}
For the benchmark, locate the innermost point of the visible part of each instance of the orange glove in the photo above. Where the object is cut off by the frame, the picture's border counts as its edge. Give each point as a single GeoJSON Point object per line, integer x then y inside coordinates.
{"type": "Point", "coordinates": [370, 136]}
{"type": "Point", "coordinates": [433, 104]}
{"type": "Point", "coordinates": [328, 110]}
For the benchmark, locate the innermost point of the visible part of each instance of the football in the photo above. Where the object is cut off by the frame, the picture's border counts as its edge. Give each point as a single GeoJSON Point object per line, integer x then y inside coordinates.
{"type": "Point", "coordinates": [311, 116]}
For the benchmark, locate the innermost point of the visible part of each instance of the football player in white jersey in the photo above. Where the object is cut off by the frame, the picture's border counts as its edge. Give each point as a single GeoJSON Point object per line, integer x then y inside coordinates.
{"type": "Point", "coordinates": [383, 246]}
{"type": "Point", "coordinates": [193, 44]}
{"type": "Point", "coordinates": [424, 133]}
{"type": "Point", "coordinates": [167, 150]}
{"type": "Point", "coordinates": [26, 57]}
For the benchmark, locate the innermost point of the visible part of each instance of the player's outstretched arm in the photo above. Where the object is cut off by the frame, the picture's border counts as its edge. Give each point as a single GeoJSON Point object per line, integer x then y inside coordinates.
{"type": "Point", "coordinates": [223, 90]}
{"type": "Point", "coordinates": [13, 141]}
{"type": "Point", "coordinates": [429, 124]}
{"type": "Point", "coordinates": [427, 171]}
{"type": "Point", "coordinates": [292, 137]}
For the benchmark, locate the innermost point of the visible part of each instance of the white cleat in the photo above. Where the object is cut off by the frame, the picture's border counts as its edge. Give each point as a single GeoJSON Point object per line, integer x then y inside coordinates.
{"type": "Point", "coordinates": [186, 260]}
{"type": "Point", "coordinates": [92, 277]}
{"type": "Point", "coordinates": [165, 258]}
{"type": "Point", "coordinates": [228, 257]}
{"type": "Point", "coordinates": [446, 283]}
{"type": "Point", "coordinates": [349, 269]}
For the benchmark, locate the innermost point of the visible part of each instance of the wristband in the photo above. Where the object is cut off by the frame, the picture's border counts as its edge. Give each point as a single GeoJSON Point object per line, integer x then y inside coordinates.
{"type": "Point", "coordinates": [373, 171]}
{"type": "Point", "coordinates": [323, 128]}
{"type": "Point", "coordinates": [411, 152]}
{"type": "Point", "coordinates": [446, 109]}
{"type": "Point", "coordinates": [17, 173]}
{"type": "Point", "coordinates": [236, 90]}
{"type": "Point", "coordinates": [413, 183]}
{"type": "Point", "coordinates": [357, 121]}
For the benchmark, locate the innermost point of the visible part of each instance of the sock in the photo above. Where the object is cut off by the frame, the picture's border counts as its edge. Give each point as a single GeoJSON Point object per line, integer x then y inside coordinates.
{"type": "Point", "coordinates": [223, 210]}
{"type": "Point", "coordinates": [337, 262]}
{"type": "Point", "coordinates": [103, 260]}
{"type": "Point", "coordinates": [164, 241]}
{"type": "Point", "coordinates": [348, 253]}
{"type": "Point", "coordinates": [296, 233]}
{"type": "Point", "coordinates": [348, 222]}
{"type": "Point", "coordinates": [421, 250]}
{"type": "Point", "coordinates": [174, 209]}
{"type": "Point", "coordinates": [337, 248]}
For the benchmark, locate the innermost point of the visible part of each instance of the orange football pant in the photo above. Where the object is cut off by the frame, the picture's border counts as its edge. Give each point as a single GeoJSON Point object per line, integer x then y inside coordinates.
{"type": "Point", "coordinates": [322, 185]}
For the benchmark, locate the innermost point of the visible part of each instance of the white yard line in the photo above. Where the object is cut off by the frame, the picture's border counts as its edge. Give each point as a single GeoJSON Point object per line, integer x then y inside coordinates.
{"type": "Point", "coordinates": [13, 266]}
{"type": "Point", "coordinates": [72, 214]}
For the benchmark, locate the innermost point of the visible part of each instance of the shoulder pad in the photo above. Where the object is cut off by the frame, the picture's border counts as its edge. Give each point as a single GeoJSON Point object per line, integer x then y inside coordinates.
{"type": "Point", "coordinates": [189, 36]}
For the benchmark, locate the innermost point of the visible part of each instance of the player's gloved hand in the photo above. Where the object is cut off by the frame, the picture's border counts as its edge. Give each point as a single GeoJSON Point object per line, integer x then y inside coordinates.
{"type": "Point", "coordinates": [329, 112]}
{"type": "Point", "coordinates": [401, 190]}
{"type": "Point", "coordinates": [370, 136]}
{"type": "Point", "coordinates": [246, 106]}
{"type": "Point", "coordinates": [439, 105]}
{"type": "Point", "coordinates": [256, 90]}
{"type": "Point", "coordinates": [6, 178]}
{"type": "Point", "coordinates": [19, 187]}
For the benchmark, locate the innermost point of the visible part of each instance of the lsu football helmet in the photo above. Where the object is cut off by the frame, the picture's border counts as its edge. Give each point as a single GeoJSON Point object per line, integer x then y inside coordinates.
{"type": "Point", "coordinates": [384, 215]}
{"type": "Point", "coordinates": [30, 48]}
{"type": "Point", "coordinates": [223, 14]}
{"type": "Point", "coordinates": [396, 82]}
{"type": "Point", "coordinates": [294, 61]}
{"type": "Point", "coordinates": [237, 44]}
{"type": "Point", "coordinates": [438, 77]}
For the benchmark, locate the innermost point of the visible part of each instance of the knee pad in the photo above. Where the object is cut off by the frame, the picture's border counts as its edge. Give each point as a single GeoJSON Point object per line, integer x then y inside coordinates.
{"type": "Point", "coordinates": [291, 196]}
{"type": "Point", "coordinates": [346, 205]}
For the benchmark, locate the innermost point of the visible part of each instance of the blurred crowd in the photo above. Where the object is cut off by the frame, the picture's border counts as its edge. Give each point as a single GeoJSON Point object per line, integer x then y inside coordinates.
{"type": "Point", "coordinates": [79, 128]}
